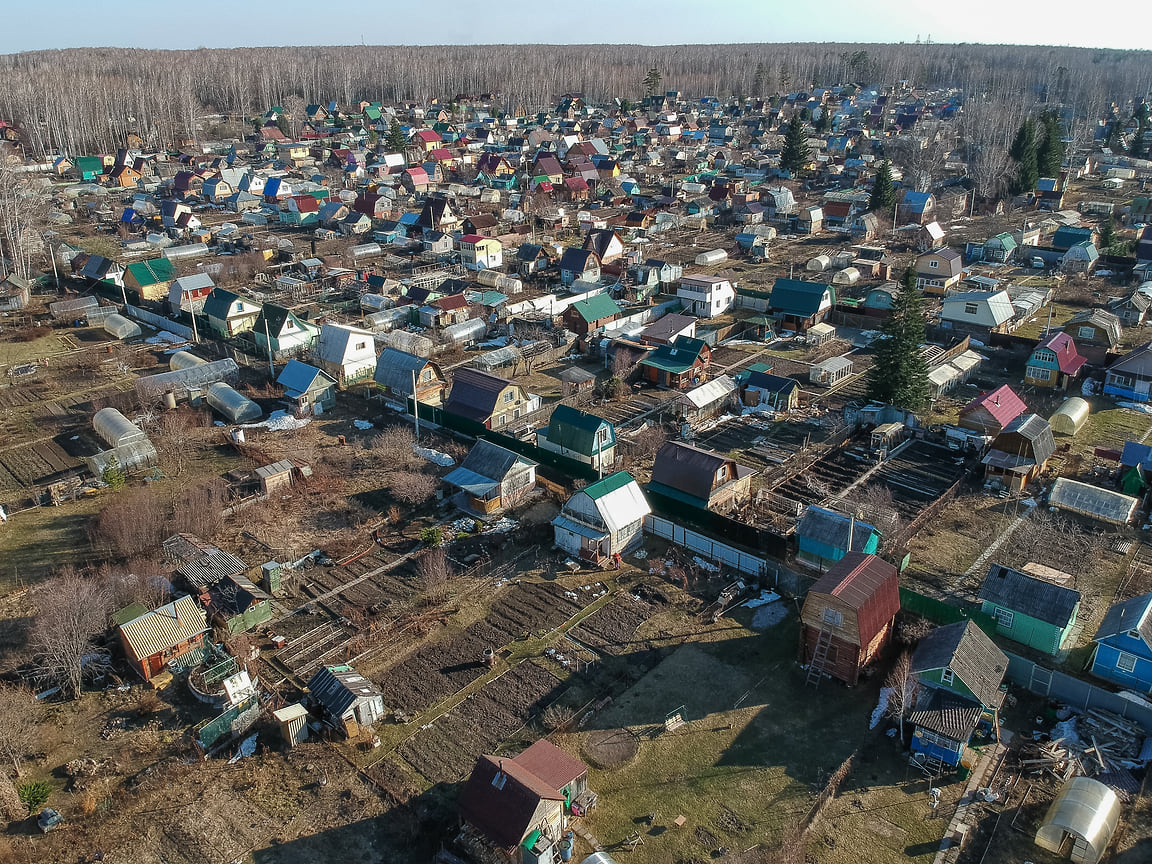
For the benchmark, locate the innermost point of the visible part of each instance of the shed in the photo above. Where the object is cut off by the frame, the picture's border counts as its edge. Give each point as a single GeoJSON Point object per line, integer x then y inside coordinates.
{"type": "Point", "coordinates": [275, 476]}
{"type": "Point", "coordinates": [820, 333]}
{"type": "Point", "coordinates": [708, 400]}
{"type": "Point", "coordinates": [1070, 417]}
{"type": "Point", "coordinates": [1085, 812]}
{"type": "Point", "coordinates": [346, 697]}
{"type": "Point", "coordinates": [293, 720]}
{"type": "Point", "coordinates": [1092, 501]}
{"type": "Point", "coordinates": [848, 615]}
{"type": "Point", "coordinates": [824, 536]}
{"type": "Point", "coordinates": [831, 371]}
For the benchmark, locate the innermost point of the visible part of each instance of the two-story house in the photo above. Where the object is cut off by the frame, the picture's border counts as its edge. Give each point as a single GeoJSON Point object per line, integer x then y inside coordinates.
{"type": "Point", "coordinates": [480, 253]}
{"type": "Point", "coordinates": [229, 314]}
{"type": "Point", "coordinates": [680, 365]}
{"type": "Point", "coordinates": [701, 478]}
{"type": "Point", "coordinates": [278, 330]}
{"type": "Point", "coordinates": [487, 399]}
{"type": "Point", "coordinates": [1054, 362]}
{"type": "Point", "coordinates": [706, 296]}
{"type": "Point", "coordinates": [1123, 652]}
{"type": "Point", "coordinates": [591, 314]}
{"type": "Point", "coordinates": [579, 265]}
{"type": "Point", "coordinates": [938, 271]}
{"type": "Point", "coordinates": [580, 436]}
{"type": "Point", "coordinates": [398, 372]}
{"type": "Point", "coordinates": [346, 353]}
{"type": "Point", "coordinates": [602, 520]}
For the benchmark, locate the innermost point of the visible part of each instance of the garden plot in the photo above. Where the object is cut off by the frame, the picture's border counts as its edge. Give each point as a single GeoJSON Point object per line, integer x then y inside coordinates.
{"type": "Point", "coordinates": [446, 750]}
{"type": "Point", "coordinates": [440, 669]}
{"type": "Point", "coordinates": [918, 475]}
{"type": "Point", "coordinates": [610, 629]}
{"type": "Point", "coordinates": [35, 462]}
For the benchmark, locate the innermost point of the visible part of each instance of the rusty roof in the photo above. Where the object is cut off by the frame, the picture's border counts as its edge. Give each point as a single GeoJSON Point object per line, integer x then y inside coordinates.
{"type": "Point", "coordinates": [866, 583]}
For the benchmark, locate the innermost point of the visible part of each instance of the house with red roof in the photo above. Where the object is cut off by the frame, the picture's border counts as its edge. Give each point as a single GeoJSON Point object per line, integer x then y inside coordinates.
{"type": "Point", "coordinates": [1054, 362]}
{"type": "Point", "coordinates": [427, 139]}
{"type": "Point", "coordinates": [519, 806]}
{"type": "Point", "coordinates": [849, 616]}
{"type": "Point", "coordinates": [990, 413]}
{"type": "Point", "coordinates": [414, 179]}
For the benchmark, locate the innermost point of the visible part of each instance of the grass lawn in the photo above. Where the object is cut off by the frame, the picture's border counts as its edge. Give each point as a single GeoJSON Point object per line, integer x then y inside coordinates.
{"type": "Point", "coordinates": [757, 747]}
{"type": "Point", "coordinates": [1109, 426]}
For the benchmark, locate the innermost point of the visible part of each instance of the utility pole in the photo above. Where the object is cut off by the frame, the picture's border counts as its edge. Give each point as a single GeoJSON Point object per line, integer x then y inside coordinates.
{"type": "Point", "coordinates": [268, 343]}
{"type": "Point", "coordinates": [415, 406]}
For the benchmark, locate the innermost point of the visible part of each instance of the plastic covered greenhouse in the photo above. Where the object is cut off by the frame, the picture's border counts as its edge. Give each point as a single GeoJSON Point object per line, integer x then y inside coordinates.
{"type": "Point", "coordinates": [130, 457]}
{"type": "Point", "coordinates": [236, 407]}
{"type": "Point", "coordinates": [183, 381]}
{"type": "Point", "coordinates": [184, 360]}
{"type": "Point", "coordinates": [412, 343]}
{"type": "Point", "coordinates": [120, 327]}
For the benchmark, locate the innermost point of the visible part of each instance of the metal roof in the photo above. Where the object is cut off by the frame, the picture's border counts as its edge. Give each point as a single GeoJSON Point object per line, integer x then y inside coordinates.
{"type": "Point", "coordinates": [970, 654]}
{"type": "Point", "coordinates": [165, 628]}
{"type": "Point", "coordinates": [618, 499]}
{"type": "Point", "coordinates": [1036, 598]}
{"type": "Point", "coordinates": [339, 688]}
{"type": "Point", "coordinates": [866, 583]}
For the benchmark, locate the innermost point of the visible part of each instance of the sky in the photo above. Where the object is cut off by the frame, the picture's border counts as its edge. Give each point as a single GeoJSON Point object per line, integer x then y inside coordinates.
{"type": "Point", "coordinates": [236, 23]}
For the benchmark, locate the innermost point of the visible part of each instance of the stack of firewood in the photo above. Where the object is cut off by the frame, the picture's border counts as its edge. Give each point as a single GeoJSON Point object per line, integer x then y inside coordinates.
{"type": "Point", "coordinates": [1103, 741]}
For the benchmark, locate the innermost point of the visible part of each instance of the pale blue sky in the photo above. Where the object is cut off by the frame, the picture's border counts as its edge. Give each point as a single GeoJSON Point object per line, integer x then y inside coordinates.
{"type": "Point", "coordinates": [218, 24]}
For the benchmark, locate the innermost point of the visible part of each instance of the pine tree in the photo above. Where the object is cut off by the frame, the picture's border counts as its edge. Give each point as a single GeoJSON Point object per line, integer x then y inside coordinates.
{"type": "Point", "coordinates": [794, 153]}
{"type": "Point", "coordinates": [883, 192]}
{"type": "Point", "coordinates": [114, 475]}
{"type": "Point", "coordinates": [760, 80]}
{"type": "Point", "coordinates": [899, 375]}
{"type": "Point", "coordinates": [1023, 153]}
{"type": "Point", "coordinates": [396, 140]}
{"type": "Point", "coordinates": [1108, 236]}
{"type": "Point", "coordinates": [824, 122]}
{"type": "Point", "coordinates": [652, 81]}
{"type": "Point", "coordinates": [1050, 153]}
{"type": "Point", "coordinates": [1138, 149]}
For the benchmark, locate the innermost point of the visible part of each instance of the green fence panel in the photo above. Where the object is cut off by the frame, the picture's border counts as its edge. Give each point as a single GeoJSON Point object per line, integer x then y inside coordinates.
{"type": "Point", "coordinates": [939, 612]}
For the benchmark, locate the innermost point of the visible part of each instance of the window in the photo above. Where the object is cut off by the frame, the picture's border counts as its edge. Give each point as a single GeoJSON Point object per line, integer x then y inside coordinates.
{"type": "Point", "coordinates": [500, 779]}
{"type": "Point", "coordinates": [946, 677]}
{"type": "Point", "coordinates": [971, 308]}
{"type": "Point", "coordinates": [502, 420]}
{"type": "Point", "coordinates": [427, 374]}
{"type": "Point", "coordinates": [1121, 380]}
{"type": "Point", "coordinates": [833, 617]}
{"type": "Point", "coordinates": [1005, 619]}
{"type": "Point", "coordinates": [1038, 374]}
{"type": "Point", "coordinates": [1086, 332]}
{"type": "Point", "coordinates": [1126, 662]}
{"type": "Point", "coordinates": [509, 397]}
{"type": "Point", "coordinates": [288, 325]}
{"type": "Point", "coordinates": [239, 307]}
{"type": "Point", "coordinates": [1134, 634]}
{"type": "Point", "coordinates": [360, 346]}
{"type": "Point", "coordinates": [933, 264]}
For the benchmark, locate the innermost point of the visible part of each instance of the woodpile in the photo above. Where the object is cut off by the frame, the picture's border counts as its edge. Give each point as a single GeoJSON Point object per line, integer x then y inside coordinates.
{"type": "Point", "coordinates": [1102, 743]}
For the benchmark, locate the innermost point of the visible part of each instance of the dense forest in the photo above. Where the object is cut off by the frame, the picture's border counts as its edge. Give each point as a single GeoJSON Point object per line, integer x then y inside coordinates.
{"type": "Point", "coordinates": [87, 99]}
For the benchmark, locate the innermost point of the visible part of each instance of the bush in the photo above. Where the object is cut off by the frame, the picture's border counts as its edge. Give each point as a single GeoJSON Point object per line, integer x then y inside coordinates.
{"type": "Point", "coordinates": [35, 795]}
{"type": "Point", "coordinates": [431, 536]}
{"type": "Point", "coordinates": [114, 475]}
{"type": "Point", "coordinates": [88, 804]}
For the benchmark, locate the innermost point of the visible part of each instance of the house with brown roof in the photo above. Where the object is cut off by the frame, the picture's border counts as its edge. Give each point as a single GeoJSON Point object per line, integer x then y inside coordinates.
{"type": "Point", "coordinates": [937, 271]}
{"type": "Point", "coordinates": [487, 399]}
{"type": "Point", "coordinates": [700, 478]}
{"type": "Point", "coordinates": [519, 806]}
{"type": "Point", "coordinates": [849, 616]}
{"type": "Point", "coordinates": [171, 636]}
{"type": "Point", "coordinates": [1020, 453]}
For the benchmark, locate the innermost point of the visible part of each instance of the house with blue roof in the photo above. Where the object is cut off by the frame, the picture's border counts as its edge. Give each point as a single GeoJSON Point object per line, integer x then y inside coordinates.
{"type": "Point", "coordinates": [307, 388]}
{"type": "Point", "coordinates": [1123, 653]}
{"type": "Point", "coordinates": [1067, 236]}
{"type": "Point", "coordinates": [916, 208]}
{"type": "Point", "coordinates": [799, 305]}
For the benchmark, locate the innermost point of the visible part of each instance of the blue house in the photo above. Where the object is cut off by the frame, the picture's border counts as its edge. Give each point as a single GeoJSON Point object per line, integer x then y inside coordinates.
{"type": "Point", "coordinates": [1123, 652]}
{"type": "Point", "coordinates": [1130, 377]}
{"type": "Point", "coordinates": [823, 537]}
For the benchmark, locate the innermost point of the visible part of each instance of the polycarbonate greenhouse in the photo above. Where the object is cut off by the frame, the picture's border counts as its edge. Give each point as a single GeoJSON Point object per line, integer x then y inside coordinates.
{"type": "Point", "coordinates": [183, 381]}
{"type": "Point", "coordinates": [184, 360]}
{"type": "Point", "coordinates": [130, 457]}
{"type": "Point", "coordinates": [412, 343]}
{"type": "Point", "coordinates": [236, 407]}
{"type": "Point", "coordinates": [115, 429]}
{"type": "Point", "coordinates": [76, 307]}
{"type": "Point", "coordinates": [120, 327]}
{"type": "Point", "coordinates": [1070, 417]}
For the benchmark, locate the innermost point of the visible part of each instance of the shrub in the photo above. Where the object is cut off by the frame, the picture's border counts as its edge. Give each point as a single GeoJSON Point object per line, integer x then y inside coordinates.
{"type": "Point", "coordinates": [35, 795]}
{"type": "Point", "coordinates": [432, 536]}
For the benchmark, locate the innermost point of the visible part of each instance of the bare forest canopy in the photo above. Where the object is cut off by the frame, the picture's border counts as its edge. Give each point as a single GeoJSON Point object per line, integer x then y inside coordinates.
{"type": "Point", "coordinates": [88, 99]}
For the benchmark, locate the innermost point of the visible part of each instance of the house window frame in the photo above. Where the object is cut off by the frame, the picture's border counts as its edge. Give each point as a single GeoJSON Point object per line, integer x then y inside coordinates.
{"type": "Point", "coordinates": [832, 616]}
{"type": "Point", "coordinates": [1086, 332]}
{"type": "Point", "coordinates": [1038, 373]}
{"type": "Point", "coordinates": [933, 264]}
{"type": "Point", "coordinates": [971, 308]}
{"type": "Point", "coordinates": [1005, 618]}
{"type": "Point", "coordinates": [1126, 662]}
{"type": "Point", "coordinates": [947, 676]}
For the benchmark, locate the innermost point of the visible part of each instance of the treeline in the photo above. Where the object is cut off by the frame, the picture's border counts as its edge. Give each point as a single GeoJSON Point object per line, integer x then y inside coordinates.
{"type": "Point", "coordinates": [84, 100]}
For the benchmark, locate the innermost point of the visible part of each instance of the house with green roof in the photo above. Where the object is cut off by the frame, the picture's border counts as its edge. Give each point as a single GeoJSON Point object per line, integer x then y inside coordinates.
{"type": "Point", "coordinates": [999, 249]}
{"type": "Point", "coordinates": [602, 520]}
{"type": "Point", "coordinates": [88, 167]}
{"type": "Point", "coordinates": [279, 328]}
{"type": "Point", "coordinates": [581, 436]}
{"type": "Point", "coordinates": [680, 365]}
{"type": "Point", "coordinates": [589, 316]}
{"type": "Point", "coordinates": [229, 314]}
{"type": "Point", "coordinates": [150, 279]}
{"type": "Point", "coordinates": [799, 305]}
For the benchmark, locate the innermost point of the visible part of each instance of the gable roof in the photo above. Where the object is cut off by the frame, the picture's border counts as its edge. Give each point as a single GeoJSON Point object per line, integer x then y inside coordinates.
{"type": "Point", "coordinates": [1137, 360]}
{"type": "Point", "coordinates": [166, 627]}
{"type": "Point", "coordinates": [1099, 318]}
{"type": "Point", "coordinates": [503, 813]}
{"type": "Point", "coordinates": [1129, 615]}
{"type": "Point", "coordinates": [832, 529]}
{"type": "Point", "coordinates": [551, 764]}
{"type": "Point", "coordinates": [867, 584]}
{"type": "Point", "coordinates": [678, 357]}
{"type": "Point", "coordinates": [474, 393]}
{"type": "Point", "coordinates": [770, 383]}
{"type": "Point", "coordinates": [795, 297]}
{"type": "Point", "coordinates": [596, 308]}
{"type": "Point", "coordinates": [690, 470]}
{"type": "Point", "coordinates": [1028, 595]}
{"type": "Point", "coordinates": [151, 272]}
{"type": "Point", "coordinates": [338, 688]}
{"type": "Point", "coordinates": [996, 304]}
{"type": "Point", "coordinates": [1002, 403]}
{"type": "Point", "coordinates": [297, 378]}
{"type": "Point", "coordinates": [275, 318]}
{"type": "Point", "coordinates": [574, 429]}
{"type": "Point", "coordinates": [1068, 359]}
{"type": "Point", "coordinates": [578, 260]}
{"type": "Point", "coordinates": [618, 499]}
{"type": "Point", "coordinates": [394, 370]}
{"type": "Point", "coordinates": [970, 654]}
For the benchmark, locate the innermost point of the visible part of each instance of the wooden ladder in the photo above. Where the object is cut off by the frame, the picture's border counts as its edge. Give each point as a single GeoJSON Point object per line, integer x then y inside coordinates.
{"type": "Point", "coordinates": [819, 657]}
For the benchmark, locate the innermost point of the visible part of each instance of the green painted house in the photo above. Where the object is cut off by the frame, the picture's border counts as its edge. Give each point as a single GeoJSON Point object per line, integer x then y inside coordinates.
{"type": "Point", "coordinates": [88, 167]}
{"type": "Point", "coordinates": [1035, 612]}
{"type": "Point", "coordinates": [237, 603]}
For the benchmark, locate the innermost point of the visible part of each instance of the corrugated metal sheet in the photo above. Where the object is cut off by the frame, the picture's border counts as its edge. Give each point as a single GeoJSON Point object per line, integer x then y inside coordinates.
{"type": "Point", "coordinates": [179, 621]}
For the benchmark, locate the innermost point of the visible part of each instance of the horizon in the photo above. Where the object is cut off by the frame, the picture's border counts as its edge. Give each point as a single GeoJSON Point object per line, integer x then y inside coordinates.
{"type": "Point", "coordinates": [69, 25]}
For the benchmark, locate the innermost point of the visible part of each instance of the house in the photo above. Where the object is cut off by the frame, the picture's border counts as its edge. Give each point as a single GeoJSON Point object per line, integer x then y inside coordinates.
{"type": "Point", "coordinates": [396, 370]}
{"type": "Point", "coordinates": [978, 313]}
{"type": "Point", "coordinates": [931, 236]}
{"type": "Point", "coordinates": [706, 296]}
{"type": "Point", "coordinates": [169, 637]}
{"type": "Point", "coordinates": [487, 399]}
{"type": "Point", "coordinates": [1123, 652]}
{"type": "Point", "coordinates": [309, 389]}
{"type": "Point", "coordinates": [606, 243]}
{"type": "Point", "coordinates": [916, 208]}
{"type": "Point", "coordinates": [480, 253]}
{"type": "Point", "coordinates": [998, 249]}
{"type": "Point", "coordinates": [15, 293]}
{"type": "Point", "coordinates": [761, 389]}
{"type": "Point", "coordinates": [235, 603]}
{"type": "Point", "coordinates": [1019, 454]}
{"type": "Point", "coordinates": [708, 400]}
{"type": "Point", "coordinates": [1130, 377]}
{"type": "Point", "coordinates": [581, 436]}
{"type": "Point", "coordinates": [799, 305]}
{"type": "Point", "coordinates": [1095, 327]}
{"type": "Point", "coordinates": [493, 478]}
{"type": "Point", "coordinates": [345, 698]}
{"type": "Point", "coordinates": [1132, 309]}
{"type": "Point", "coordinates": [589, 316]}
{"type": "Point", "coordinates": [579, 265]}
{"type": "Point", "coordinates": [958, 672]}
{"type": "Point", "coordinates": [188, 293]}
{"type": "Point", "coordinates": [848, 616]}
{"type": "Point", "coordinates": [678, 366]}
{"type": "Point", "coordinates": [810, 220]}
{"type": "Point", "coordinates": [1067, 236]}
{"type": "Point", "coordinates": [1080, 258]}
{"type": "Point", "coordinates": [823, 537]}
{"type": "Point", "coordinates": [519, 805]}
{"type": "Point", "coordinates": [346, 353]}
{"type": "Point", "coordinates": [1054, 362]}
{"type": "Point", "coordinates": [229, 314]}
{"type": "Point", "coordinates": [1029, 610]}
{"type": "Point", "coordinates": [279, 332]}
{"type": "Point", "coordinates": [937, 271]}
{"type": "Point", "coordinates": [991, 412]}
{"type": "Point", "coordinates": [602, 520]}
{"type": "Point", "coordinates": [700, 478]}
{"type": "Point", "coordinates": [531, 259]}
{"type": "Point", "coordinates": [150, 279]}
{"type": "Point", "coordinates": [666, 329]}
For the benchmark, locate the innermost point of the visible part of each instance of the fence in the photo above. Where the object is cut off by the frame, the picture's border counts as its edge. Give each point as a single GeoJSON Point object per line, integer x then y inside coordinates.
{"type": "Point", "coordinates": [930, 512]}
{"type": "Point", "coordinates": [939, 612]}
{"type": "Point", "coordinates": [158, 321]}
{"type": "Point", "coordinates": [1075, 693]}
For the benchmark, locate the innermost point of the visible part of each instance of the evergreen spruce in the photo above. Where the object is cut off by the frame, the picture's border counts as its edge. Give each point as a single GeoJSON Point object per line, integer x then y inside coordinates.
{"type": "Point", "coordinates": [652, 81]}
{"type": "Point", "coordinates": [794, 154]}
{"type": "Point", "coordinates": [114, 475]}
{"type": "Point", "coordinates": [899, 375]}
{"type": "Point", "coordinates": [397, 143]}
{"type": "Point", "coordinates": [1108, 236]}
{"type": "Point", "coordinates": [883, 192]}
{"type": "Point", "coordinates": [1023, 153]}
{"type": "Point", "coordinates": [1050, 154]}
{"type": "Point", "coordinates": [1138, 149]}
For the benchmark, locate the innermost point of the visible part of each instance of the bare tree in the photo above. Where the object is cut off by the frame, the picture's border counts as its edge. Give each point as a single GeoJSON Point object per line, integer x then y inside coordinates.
{"type": "Point", "coordinates": [435, 574]}
{"type": "Point", "coordinates": [902, 685]}
{"type": "Point", "coordinates": [131, 523]}
{"type": "Point", "coordinates": [72, 610]}
{"type": "Point", "coordinates": [393, 445]}
{"type": "Point", "coordinates": [411, 488]}
{"type": "Point", "coordinates": [176, 440]}
{"type": "Point", "coordinates": [20, 716]}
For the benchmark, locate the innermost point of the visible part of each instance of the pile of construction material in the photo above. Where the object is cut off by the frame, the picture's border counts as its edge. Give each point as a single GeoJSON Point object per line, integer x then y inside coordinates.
{"type": "Point", "coordinates": [1089, 744]}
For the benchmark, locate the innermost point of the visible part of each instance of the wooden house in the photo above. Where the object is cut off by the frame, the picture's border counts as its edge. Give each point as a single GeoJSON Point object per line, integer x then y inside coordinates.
{"type": "Point", "coordinates": [235, 603]}
{"type": "Point", "coordinates": [493, 478]}
{"type": "Point", "coordinates": [823, 537]}
{"type": "Point", "coordinates": [1123, 645]}
{"type": "Point", "coordinates": [799, 305]}
{"type": "Point", "coordinates": [493, 402]}
{"type": "Point", "coordinates": [916, 208]}
{"type": "Point", "coordinates": [169, 637]}
{"type": "Point", "coordinates": [989, 413]}
{"type": "Point", "coordinates": [348, 354]}
{"type": "Point", "coordinates": [150, 279]}
{"type": "Point", "coordinates": [602, 520]}
{"type": "Point", "coordinates": [681, 365]}
{"type": "Point", "coordinates": [1095, 327]}
{"type": "Point", "coordinates": [978, 313]}
{"type": "Point", "coordinates": [579, 265]}
{"type": "Point", "coordinates": [849, 616]}
{"type": "Point", "coordinates": [307, 388]}
{"type": "Point", "coordinates": [1036, 612]}
{"type": "Point", "coordinates": [700, 478]}
{"type": "Point", "coordinates": [279, 332]}
{"type": "Point", "coordinates": [1019, 454]}
{"type": "Point", "coordinates": [590, 315]}
{"type": "Point", "coordinates": [1130, 377]}
{"type": "Point", "coordinates": [1054, 362]}
{"type": "Point", "coordinates": [229, 314]}
{"type": "Point", "coordinates": [15, 293]}
{"type": "Point", "coordinates": [709, 400]}
{"type": "Point", "coordinates": [938, 271]}
{"type": "Point", "coordinates": [958, 672]}
{"type": "Point", "coordinates": [581, 436]}
{"type": "Point", "coordinates": [396, 370]}
{"type": "Point", "coordinates": [761, 389]}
